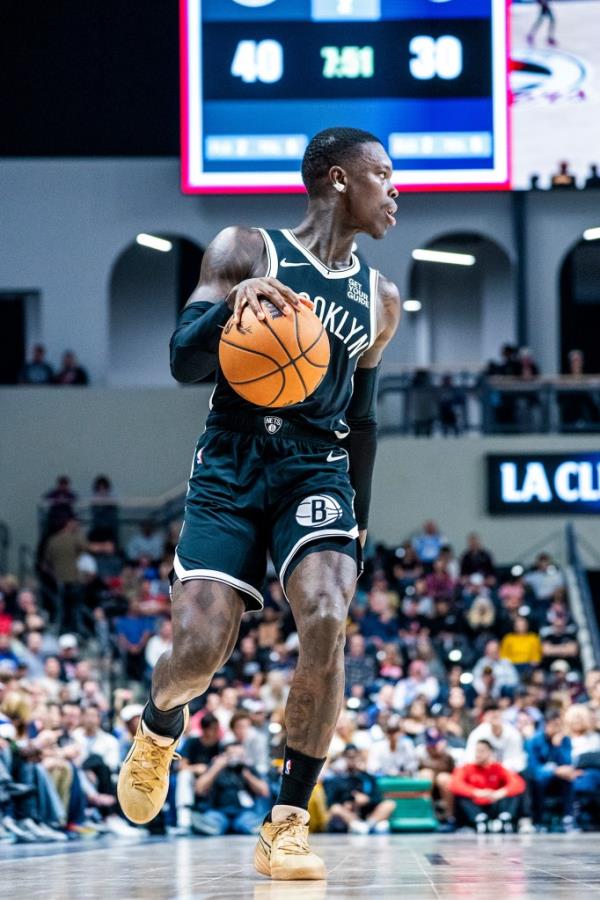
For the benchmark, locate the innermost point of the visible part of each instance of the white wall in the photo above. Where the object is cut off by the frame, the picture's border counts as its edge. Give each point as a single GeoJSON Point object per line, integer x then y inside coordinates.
{"type": "Point", "coordinates": [144, 441]}
{"type": "Point", "coordinates": [143, 310]}
{"type": "Point", "coordinates": [63, 223]}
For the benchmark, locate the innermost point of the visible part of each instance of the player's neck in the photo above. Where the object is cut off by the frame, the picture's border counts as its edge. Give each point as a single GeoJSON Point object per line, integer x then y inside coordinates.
{"type": "Point", "coordinates": [322, 232]}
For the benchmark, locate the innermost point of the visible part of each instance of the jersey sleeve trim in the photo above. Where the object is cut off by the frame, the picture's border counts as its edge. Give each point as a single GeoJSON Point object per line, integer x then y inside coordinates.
{"type": "Point", "coordinates": [373, 291]}
{"type": "Point", "coordinates": [273, 261]}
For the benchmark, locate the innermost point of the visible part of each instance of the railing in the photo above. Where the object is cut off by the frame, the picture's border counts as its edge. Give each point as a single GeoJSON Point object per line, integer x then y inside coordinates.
{"type": "Point", "coordinates": [468, 402]}
{"type": "Point", "coordinates": [4, 546]}
{"type": "Point", "coordinates": [129, 511]}
{"type": "Point", "coordinates": [582, 603]}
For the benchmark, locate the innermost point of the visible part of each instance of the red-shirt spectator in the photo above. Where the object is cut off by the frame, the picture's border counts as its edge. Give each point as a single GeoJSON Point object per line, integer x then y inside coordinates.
{"type": "Point", "coordinates": [478, 781]}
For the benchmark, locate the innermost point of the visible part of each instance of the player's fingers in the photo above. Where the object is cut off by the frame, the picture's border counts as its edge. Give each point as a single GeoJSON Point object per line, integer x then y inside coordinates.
{"type": "Point", "coordinates": [254, 303]}
{"type": "Point", "coordinates": [240, 303]}
{"type": "Point", "coordinates": [276, 299]}
{"type": "Point", "coordinates": [285, 291]}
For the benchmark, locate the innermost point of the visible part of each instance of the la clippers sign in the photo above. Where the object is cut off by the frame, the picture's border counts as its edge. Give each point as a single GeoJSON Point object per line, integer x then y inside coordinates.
{"type": "Point", "coordinates": [524, 484]}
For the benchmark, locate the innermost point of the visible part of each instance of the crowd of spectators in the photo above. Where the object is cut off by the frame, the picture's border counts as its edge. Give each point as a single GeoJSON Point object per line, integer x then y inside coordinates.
{"type": "Point", "coordinates": [38, 371]}
{"type": "Point", "coordinates": [460, 673]}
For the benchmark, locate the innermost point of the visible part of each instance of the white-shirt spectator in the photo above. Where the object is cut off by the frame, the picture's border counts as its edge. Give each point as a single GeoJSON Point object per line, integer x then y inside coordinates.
{"type": "Point", "coordinates": [159, 643]}
{"type": "Point", "coordinates": [506, 742]}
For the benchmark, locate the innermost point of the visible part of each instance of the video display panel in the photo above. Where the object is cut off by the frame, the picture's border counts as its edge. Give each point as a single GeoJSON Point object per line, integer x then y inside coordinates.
{"type": "Point", "coordinates": [260, 77]}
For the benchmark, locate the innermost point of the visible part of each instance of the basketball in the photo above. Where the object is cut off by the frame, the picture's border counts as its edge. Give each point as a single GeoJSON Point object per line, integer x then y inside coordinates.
{"type": "Point", "coordinates": [277, 361]}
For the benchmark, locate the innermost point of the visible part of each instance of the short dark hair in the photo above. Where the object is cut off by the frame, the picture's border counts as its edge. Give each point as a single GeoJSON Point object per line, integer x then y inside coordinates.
{"type": "Point", "coordinates": [487, 743]}
{"type": "Point", "coordinates": [331, 147]}
{"type": "Point", "coordinates": [209, 720]}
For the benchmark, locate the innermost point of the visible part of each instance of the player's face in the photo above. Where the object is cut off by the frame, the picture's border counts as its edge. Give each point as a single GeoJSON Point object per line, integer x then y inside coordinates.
{"type": "Point", "coordinates": [371, 194]}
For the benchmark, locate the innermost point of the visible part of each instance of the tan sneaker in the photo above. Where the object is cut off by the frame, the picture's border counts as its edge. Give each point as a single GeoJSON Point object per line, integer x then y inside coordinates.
{"type": "Point", "coordinates": [282, 852]}
{"type": "Point", "coordinates": [144, 776]}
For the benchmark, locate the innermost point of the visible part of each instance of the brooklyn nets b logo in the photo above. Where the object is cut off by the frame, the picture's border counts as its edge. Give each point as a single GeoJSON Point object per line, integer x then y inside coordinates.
{"type": "Point", "coordinates": [317, 511]}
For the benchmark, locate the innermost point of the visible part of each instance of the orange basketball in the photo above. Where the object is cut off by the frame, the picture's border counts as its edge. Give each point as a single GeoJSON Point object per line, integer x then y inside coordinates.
{"type": "Point", "coordinates": [276, 361]}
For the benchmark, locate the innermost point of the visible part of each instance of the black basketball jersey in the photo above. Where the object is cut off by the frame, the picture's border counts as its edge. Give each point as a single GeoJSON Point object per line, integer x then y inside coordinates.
{"type": "Point", "coordinates": [345, 300]}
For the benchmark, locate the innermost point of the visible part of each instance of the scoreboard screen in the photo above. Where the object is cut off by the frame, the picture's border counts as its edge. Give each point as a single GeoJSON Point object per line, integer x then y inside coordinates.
{"type": "Point", "coordinates": [261, 77]}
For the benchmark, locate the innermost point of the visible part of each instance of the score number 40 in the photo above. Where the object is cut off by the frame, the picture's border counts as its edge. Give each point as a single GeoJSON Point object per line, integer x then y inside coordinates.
{"type": "Point", "coordinates": [440, 57]}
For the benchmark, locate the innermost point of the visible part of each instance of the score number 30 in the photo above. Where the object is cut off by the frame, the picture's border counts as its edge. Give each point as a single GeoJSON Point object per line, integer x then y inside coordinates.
{"type": "Point", "coordinates": [431, 57]}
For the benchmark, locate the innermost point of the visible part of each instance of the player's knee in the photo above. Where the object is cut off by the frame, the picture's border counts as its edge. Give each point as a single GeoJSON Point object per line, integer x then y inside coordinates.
{"type": "Point", "coordinates": [195, 656]}
{"type": "Point", "coordinates": [322, 628]}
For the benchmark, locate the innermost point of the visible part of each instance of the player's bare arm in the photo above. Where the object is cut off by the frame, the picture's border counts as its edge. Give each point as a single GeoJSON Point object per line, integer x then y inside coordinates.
{"type": "Point", "coordinates": [234, 268]}
{"type": "Point", "coordinates": [388, 319]}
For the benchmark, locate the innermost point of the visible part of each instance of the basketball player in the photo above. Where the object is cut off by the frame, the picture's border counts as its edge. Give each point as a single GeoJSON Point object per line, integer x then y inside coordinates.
{"type": "Point", "coordinates": [296, 483]}
{"type": "Point", "coordinates": [544, 12]}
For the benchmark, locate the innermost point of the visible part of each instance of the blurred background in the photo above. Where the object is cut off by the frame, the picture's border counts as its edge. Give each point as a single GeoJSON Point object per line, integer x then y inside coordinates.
{"type": "Point", "coordinates": [132, 133]}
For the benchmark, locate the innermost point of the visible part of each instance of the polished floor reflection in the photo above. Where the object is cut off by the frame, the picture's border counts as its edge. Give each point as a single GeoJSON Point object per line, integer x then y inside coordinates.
{"type": "Point", "coordinates": [432, 866]}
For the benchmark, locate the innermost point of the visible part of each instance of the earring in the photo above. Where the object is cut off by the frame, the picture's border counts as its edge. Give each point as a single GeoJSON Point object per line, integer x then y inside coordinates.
{"type": "Point", "coordinates": [339, 187]}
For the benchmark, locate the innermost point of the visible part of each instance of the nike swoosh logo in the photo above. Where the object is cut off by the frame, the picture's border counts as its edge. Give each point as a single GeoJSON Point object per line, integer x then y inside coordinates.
{"type": "Point", "coordinates": [333, 458]}
{"type": "Point", "coordinates": [288, 265]}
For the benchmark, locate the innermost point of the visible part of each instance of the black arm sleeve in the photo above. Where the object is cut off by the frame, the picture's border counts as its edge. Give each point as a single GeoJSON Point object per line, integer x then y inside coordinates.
{"type": "Point", "coordinates": [361, 443]}
{"type": "Point", "coordinates": [195, 341]}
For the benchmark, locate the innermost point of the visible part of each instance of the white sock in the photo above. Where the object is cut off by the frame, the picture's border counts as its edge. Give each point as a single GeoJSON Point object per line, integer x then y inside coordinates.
{"type": "Point", "coordinates": [281, 812]}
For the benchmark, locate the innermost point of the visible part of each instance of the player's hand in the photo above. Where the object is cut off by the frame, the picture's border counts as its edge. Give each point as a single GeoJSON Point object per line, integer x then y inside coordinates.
{"type": "Point", "coordinates": [249, 292]}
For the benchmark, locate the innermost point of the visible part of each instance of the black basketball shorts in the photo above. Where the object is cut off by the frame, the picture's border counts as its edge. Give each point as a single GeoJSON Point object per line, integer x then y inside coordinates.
{"type": "Point", "coordinates": [261, 484]}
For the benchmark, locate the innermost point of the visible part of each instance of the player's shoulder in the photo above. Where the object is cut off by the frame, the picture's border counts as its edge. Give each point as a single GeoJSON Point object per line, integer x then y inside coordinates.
{"type": "Point", "coordinates": [240, 237]}
{"type": "Point", "coordinates": [389, 295]}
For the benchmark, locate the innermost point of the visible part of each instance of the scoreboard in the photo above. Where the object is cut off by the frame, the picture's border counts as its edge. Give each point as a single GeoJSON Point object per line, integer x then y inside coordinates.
{"type": "Point", "coordinates": [260, 77]}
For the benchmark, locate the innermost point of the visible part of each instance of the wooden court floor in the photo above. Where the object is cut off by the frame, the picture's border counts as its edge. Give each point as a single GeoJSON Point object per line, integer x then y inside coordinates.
{"type": "Point", "coordinates": [427, 866]}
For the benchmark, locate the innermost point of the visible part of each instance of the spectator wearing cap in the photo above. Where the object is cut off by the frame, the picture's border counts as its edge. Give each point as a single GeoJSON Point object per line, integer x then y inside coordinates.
{"type": "Point", "coordinates": [355, 800]}
{"type": "Point", "coordinates": [436, 764]}
{"type": "Point", "coordinates": [395, 754]}
{"type": "Point", "coordinates": [506, 676]}
{"type": "Point", "coordinates": [487, 794]}
{"type": "Point", "coordinates": [197, 753]}
{"type": "Point", "coordinates": [130, 717]}
{"type": "Point", "coordinates": [521, 647]}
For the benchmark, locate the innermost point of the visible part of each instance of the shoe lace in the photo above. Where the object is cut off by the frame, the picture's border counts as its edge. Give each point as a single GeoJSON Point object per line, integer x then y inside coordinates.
{"type": "Point", "coordinates": [148, 764]}
{"type": "Point", "coordinates": [292, 836]}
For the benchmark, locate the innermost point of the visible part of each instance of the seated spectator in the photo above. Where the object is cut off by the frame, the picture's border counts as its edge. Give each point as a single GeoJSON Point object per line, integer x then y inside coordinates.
{"type": "Point", "coordinates": [146, 544]}
{"type": "Point", "coordinates": [380, 622]}
{"type": "Point", "coordinates": [395, 755]}
{"type": "Point", "coordinates": [37, 371]}
{"type": "Point", "coordinates": [545, 579]}
{"type": "Point", "coordinates": [9, 661]}
{"type": "Point", "coordinates": [355, 800]}
{"type": "Point", "coordinates": [418, 683]}
{"type": "Point", "coordinates": [237, 799]}
{"type": "Point", "coordinates": [559, 641]}
{"type": "Point", "coordinates": [481, 620]}
{"type": "Point", "coordinates": [416, 718]}
{"type": "Point", "coordinates": [520, 647]}
{"type": "Point", "coordinates": [436, 764]}
{"type": "Point", "coordinates": [159, 643]}
{"type": "Point", "coordinates": [506, 676]}
{"type": "Point", "coordinates": [563, 179]}
{"type": "Point", "coordinates": [459, 721]}
{"type": "Point", "coordinates": [440, 584]}
{"type": "Point", "coordinates": [6, 619]}
{"type": "Point", "coordinates": [476, 560]}
{"type": "Point", "coordinates": [360, 668]}
{"type": "Point", "coordinates": [428, 544]}
{"type": "Point", "coordinates": [504, 739]}
{"type": "Point", "coordinates": [133, 633]}
{"type": "Point", "coordinates": [524, 703]}
{"type": "Point", "coordinates": [71, 372]}
{"type": "Point", "coordinates": [487, 795]}
{"type": "Point", "coordinates": [197, 753]}
{"type": "Point", "coordinates": [585, 744]}
{"type": "Point", "coordinates": [551, 770]}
